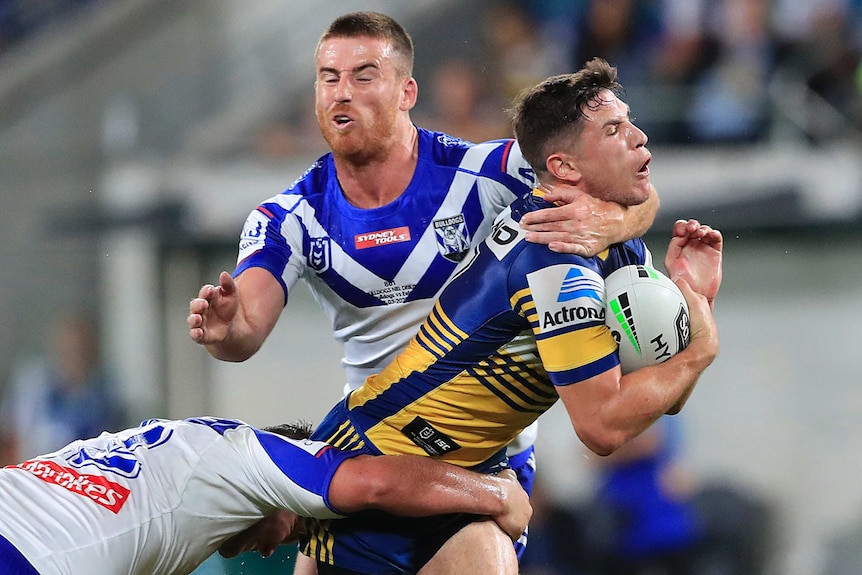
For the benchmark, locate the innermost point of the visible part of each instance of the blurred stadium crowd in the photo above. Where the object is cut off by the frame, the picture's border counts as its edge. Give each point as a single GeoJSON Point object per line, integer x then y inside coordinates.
{"type": "Point", "coordinates": [698, 72]}
{"type": "Point", "coordinates": [711, 70]}
{"type": "Point", "coordinates": [20, 19]}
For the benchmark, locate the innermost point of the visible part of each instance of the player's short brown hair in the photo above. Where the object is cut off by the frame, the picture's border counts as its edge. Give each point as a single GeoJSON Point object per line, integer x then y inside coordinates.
{"type": "Point", "coordinates": [299, 430]}
{"type": "Point", "coordinates": [374, 25]}
{"type": "Point", "coordinates": [554, 109]}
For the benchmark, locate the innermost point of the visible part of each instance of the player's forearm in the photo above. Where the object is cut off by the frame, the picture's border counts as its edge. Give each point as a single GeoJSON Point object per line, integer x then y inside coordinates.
{"type": "Point", "coordinates": [425, 487]}
{"type": "Point", "coordinates": [238, 345]}
{"type": "Point", "coordinates": [648, 393]}
{"type": "Point", "coordinates": [416, 486]}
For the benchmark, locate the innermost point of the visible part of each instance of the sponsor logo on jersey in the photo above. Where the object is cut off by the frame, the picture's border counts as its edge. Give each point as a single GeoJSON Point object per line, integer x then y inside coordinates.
{"type": "Point", "coordinates": [118, 455]}
{"type": "Point", "coordinates": [566, 315]}
{"type": "Point", "coordinates": [453, 238]}
{"type": "Point", "coordinates": [424, 435]}
{"type": "Point", "coordinates": [449, 141]}
{"type": "Point", "coordinates": [254, 230]}
{"type": "Point", "coordinates": [576, 285]}
{"type": "Point", "coordinates": [110, 495]}
{"type": "Point", "coordinates": [567, 296]}
{"type": "Point", "coordinates": [382, 238]}
{"type": "Point", "coordinates": [505, 235]}
{"type": "Point", "coordinates": [319, 254]}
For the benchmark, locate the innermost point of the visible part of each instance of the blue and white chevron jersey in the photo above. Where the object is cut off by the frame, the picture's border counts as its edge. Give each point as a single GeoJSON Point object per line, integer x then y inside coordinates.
{"type": "Point", "coordinates": [160, 498]}
{"type": "Point", "coordinates": [377, 272]}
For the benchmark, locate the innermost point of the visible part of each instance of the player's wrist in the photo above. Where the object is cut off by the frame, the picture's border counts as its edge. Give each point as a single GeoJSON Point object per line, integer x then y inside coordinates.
{"type": "Point", "coordinates": [701, 351]}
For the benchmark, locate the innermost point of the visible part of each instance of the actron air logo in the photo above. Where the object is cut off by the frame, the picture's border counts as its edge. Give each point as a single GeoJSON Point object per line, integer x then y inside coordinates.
{"type": "Point", "coordinates": [622, 310]}
{"type": "Point", "coordinates": [576, 285]}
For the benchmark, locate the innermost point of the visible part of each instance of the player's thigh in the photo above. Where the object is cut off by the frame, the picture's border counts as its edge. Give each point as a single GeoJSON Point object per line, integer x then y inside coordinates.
{"type": "Point", "coordinates": [479, 548]}
{"type": "Point", "coordinates": [304, 565]}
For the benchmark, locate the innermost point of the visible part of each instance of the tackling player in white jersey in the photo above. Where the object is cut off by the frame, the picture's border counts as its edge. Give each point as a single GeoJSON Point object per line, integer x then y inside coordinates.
{"type": "Point", "coordinates": [160, 498]}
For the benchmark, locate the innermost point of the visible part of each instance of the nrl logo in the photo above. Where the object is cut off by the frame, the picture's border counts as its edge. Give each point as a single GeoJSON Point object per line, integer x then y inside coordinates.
{"type": "Point", "coordinates": [319, 254]}
{"type": "Point", "coordinates": [453, 238]}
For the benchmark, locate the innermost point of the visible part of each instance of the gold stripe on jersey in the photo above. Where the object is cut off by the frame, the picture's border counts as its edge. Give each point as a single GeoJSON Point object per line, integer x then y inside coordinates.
{"type": "Point", "coordinates": [593, 343]}
{"type": "Point", "coordinates": [520, 382]}
{"type": "Point", "coordinates": [438, 333]}
{"type": "Point", "coordinates": [320, 541]}
{"type": "Point", "coordinates": [489, 427]}
{"type": "Point", "coordinates": [522, 302]}
{"type": "Point", "coordinates": [414, 358]}
{"type": "Point", "coordinates": [502, 395]}
{"type": "Point", "coordinates": [346, 438]}
{"type": "Point", "coordinates": [436, 337]}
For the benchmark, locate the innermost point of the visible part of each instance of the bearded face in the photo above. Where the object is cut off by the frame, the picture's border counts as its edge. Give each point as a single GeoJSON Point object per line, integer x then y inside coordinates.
{"type": "Point", "coordinates": [358, 96]}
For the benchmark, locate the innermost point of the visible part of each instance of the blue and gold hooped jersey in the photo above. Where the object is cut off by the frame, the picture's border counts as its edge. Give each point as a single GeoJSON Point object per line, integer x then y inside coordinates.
{"type": "Point", "coordinates": [516, 321]}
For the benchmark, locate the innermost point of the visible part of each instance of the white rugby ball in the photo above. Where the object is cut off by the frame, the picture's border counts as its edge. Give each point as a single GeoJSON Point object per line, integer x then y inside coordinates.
{"type": "Point", "coordinates": [647, 315]}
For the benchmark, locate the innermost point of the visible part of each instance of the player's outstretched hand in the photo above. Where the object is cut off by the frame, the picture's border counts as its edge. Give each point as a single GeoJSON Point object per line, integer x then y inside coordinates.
{"type": "Point", "coordinates": [582, 225]}
{"type": "Point", "coordinates": [694, 254]}
{"type": "Point", "coordinates": [211, 313]}
{"type": "Point", "coordinates": [518, 510]}
{"type": "Point", "coordinates": [279, 527]}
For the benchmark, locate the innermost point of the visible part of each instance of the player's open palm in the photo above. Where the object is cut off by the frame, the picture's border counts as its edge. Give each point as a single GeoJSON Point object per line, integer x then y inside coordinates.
{"type": "Point", "coordinates": [694, 254]}
{"type": "Point", "coordinates": [582, 225]}
{"type": "Point", "coordinates": [211, 313]}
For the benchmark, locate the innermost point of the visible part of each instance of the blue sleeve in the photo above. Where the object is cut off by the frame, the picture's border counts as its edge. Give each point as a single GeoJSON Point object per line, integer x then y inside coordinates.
{"type": "Point", "coordinates": [307, 463]}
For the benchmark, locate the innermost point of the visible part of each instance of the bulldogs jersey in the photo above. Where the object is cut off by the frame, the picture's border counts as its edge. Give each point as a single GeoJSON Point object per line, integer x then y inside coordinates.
{"type": "Point", "coordinates": [158, 499]}
{"type": "Point", "coordinates": [377, 272]}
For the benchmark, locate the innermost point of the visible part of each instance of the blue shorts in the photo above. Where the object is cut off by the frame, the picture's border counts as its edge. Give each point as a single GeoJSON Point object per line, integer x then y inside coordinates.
{"type": "Point", "coordinates": [12, 562]}
{"type": "Point", "coordinates": [374, 542]}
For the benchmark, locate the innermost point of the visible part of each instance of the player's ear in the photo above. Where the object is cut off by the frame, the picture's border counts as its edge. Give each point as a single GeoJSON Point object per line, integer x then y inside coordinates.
{"type": "Point", "coordinates": [409, 94]}
{"type": "Point", "coordinates": [562, 167]}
